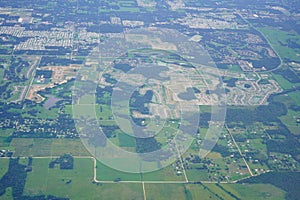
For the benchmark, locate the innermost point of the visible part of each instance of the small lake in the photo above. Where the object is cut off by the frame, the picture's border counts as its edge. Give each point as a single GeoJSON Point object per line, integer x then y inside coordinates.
{"type": "Point", "coordinates": [51, 101]}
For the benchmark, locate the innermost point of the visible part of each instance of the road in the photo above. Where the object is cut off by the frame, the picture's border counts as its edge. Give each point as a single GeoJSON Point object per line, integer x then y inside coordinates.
{"type": "Point", "coordinates": [32, 68]}
{"type": "Point", "coordinates": [144, 191]}
{"type": "Point", "coordinates": [239, 150]}
{"type": "Point", "coordinates": [182, 166]}
{"type": "Point", "coordinates": [269, 43]}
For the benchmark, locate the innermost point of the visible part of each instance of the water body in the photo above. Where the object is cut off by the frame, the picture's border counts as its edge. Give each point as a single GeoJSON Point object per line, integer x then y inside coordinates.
{"type": "Point", "coordinates": [188, 95]}
{"type": "Point", "coordinates": [51, 101]}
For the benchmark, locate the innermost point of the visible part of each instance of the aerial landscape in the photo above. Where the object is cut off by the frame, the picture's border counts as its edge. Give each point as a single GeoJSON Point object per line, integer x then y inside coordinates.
{"type": "Point", "coordinates": [149, 99]}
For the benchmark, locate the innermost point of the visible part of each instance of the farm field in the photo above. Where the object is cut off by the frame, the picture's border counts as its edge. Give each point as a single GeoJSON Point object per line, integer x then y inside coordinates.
{"type": "Point", "coordinates": [39, 147]}
{"type": "Point", "coordinates": [74, 183]}
{"type": "Point", "coordinates": [254, 191]}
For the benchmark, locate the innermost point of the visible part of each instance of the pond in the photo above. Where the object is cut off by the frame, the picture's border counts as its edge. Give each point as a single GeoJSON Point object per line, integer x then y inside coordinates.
{"type": "Point", "coordinates": [51, 101]}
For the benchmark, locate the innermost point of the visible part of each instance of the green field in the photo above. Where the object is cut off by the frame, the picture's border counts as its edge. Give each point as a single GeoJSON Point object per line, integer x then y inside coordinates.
{"type": "Point", "coordinates": [76, 183]}
{"type": "Point", "coordinates": [41, 112]}
{"type": "Point", "coordinates": [5, 138]}
{"type": "Point", "coordinates": [212, 191]}
{"type": "Point", "coordinates": [165, 191]}
{"type": "Point", "coordinates": [105, 173]}
{"type": "Point", "coordinates": [8, 194]}
{"type": "Point", "coordinates": [285, 84]}
{"type": "Point", "coordinates": [126, 140]}
{"type": "Point", "coordinates": [3, 166]}
{"type": "Point", "coordinates": [278, 38]}
{"type": "Point", "coordinates": [124, 6]}
{"type": "Point", "coordinates": [290, 121]}
{"type": "Point", "coordinates": [255, 191]}
{"type": "Point", "coordinates": [1, 74]}
{"type": "Point", "coordinates": [200, 192]}
{"type": "Point", "coordinates": [164, 174]}
{"type": "Point", "coordinates": [47, 147]}
{"type": "Point", "coordinates": [197, 175]}
{"type": "Point", "coordinates": [36, 183]}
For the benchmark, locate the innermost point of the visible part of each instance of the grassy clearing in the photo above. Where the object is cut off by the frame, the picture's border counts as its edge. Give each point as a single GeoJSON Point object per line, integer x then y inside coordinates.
{"type": "Point", "coordinates": [48, 147]}
{"type": "Point", "coordinates": [197, 174]}
{"type": "Point", "coordinates": [70, 146]}
{"type": "Point", "coordinates": [295, 96]}
{"type": "Point", "coordinates": [8, 194]}
{"type": "Point", "coordinates": [1, 74]}
{"type": "Point", "coordinates": [230, 189]}
{"type": "Point", "coordinates": [200, 192]}
{"type": "Point", "coordinates": [218, 191]}
{"type": "Point", "coordinates": [68, 110]}
{"type": "Point", "coordinates": [105, 173]}
{"type": "Point", "coordinates": [290, 121]}
{"type": "Point", "coordinates": [5, 138]}
{"type": "Point", "coordinates": [6, 132]}
{"type": "Point", "coordinates": [278, 39]}
{"type": "Point", "coordinates": [104, 112]}
{"type": "Point", "coordinates": [3, 166]}
{"type": "Point", "coordinates": [36, 183]}
{"type": "Point", "coordinates": [255, 191]}
{"type": "Point", "coordinates": [41, 112]}
{"type": "Point", "coordinates": [126, 140]}
{"type": "Point", "coordinates": [41, 147]}
{"type": "Point", "coordinates": [22, 146]}
{"type": "Point", "coordinates": [165, 191]}
{"type": "Point", "coordinates": [285, 84]}
{"type": "Point", "coordinates": [165, 174]}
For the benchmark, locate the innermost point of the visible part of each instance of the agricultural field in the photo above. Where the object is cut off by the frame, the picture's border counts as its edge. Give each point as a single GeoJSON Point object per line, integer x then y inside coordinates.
{"type": "Point", "coordinates": [3, 166]}
{"type": "Point", "coordinates": [281, 41]}
{"type": "Point", "coordinates": [74, 183]}
{"type": "Point", "coordinates": [39, 147]}
{"type": "Point", "coordinates": [254, 191]}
